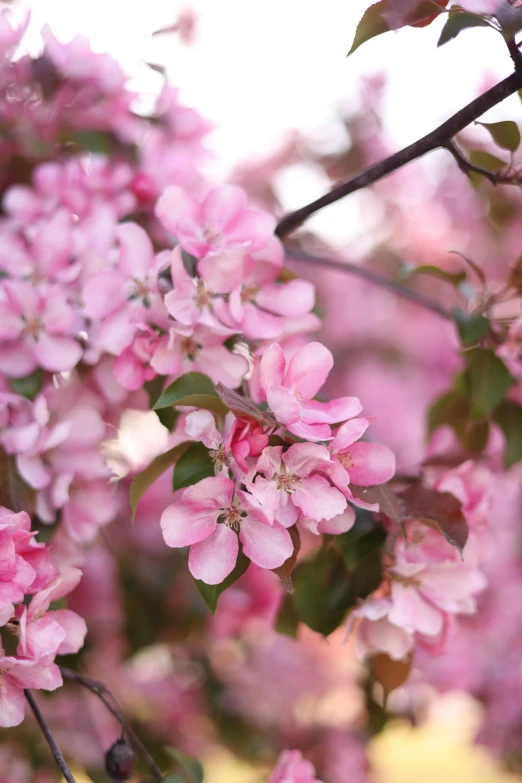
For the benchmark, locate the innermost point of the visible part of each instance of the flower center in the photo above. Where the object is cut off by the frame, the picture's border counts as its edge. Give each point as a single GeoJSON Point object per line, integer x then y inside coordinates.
{"type": "Point", "coordinates": [190, 348]}
{"type": "Point", "coordinates": [232, 518]}
{"type": "Point", "coordinates": [345, 458]}
{"type": "Point", "coordinates": [288, 482]}
{"type": "Point", "coordinates": [33, 326]}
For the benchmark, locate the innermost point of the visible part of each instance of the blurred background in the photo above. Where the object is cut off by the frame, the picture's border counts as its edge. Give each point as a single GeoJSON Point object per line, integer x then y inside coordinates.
{"type": "Point", "coordinates": [290, 115]}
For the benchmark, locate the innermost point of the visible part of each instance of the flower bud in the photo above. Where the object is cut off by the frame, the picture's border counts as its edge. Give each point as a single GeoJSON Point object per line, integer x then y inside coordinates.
{"type": "Point", "coordinates": [119, 761]}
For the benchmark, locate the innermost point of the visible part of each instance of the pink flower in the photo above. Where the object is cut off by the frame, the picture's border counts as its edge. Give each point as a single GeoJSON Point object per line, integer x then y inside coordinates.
{"type": "Point", "coordinates": [366, 463]}
{"type": "Point", "coordinates": [291, 767]}
{"type": "Point", "coordinates": [376, 633]}
{"type": "Point", "coordinates": [17, 674]}
{"type": "Point", "coordinates": [289, 389]}
{"type": "Point", "coordinates": [36, 330]}
{"type": "Point", "coordinates": [220, 221]}
{"type": "Point", "coordinates": [193, 521]}
{"type": "Point", "coordinates": [294, 484]}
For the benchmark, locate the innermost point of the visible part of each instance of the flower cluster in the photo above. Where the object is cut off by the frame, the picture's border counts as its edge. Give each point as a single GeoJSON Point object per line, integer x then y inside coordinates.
{"type": "Point", "coordinates": [34, 632]}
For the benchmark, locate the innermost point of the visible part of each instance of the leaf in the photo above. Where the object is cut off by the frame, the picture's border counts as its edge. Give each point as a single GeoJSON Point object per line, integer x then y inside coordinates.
{"type": "Point", "coordinates": [193, 771]}
{"type": "Point", "coordinates": [284, 572]}
{"type": "Point", "coordinates": [365, 538]}
{"type": "Point", "coordinates": [454, 410]}
{"type": "Point", "coordinates": [145, 478]}
{"type": "Point", "coordinates": [287, 621]}
{"type": "Point", "coordinates": [471, 326]}
{"type": "Point", "coordinates": [195, 464]}
{"type": "Point", "coordinates": [243, 408]}
{"type": "Point", "coordinates": [15, 494]}
{"type": "Point", "coordinates": [457, 22]}
{"type": "Point", "coordinates": [371, 25]}
{"type": "Point", "coordinates": [489, 380]}
{"type": "Point", "coordinates": [211, 593]}
{"type": "Point", "coordinates": [455, 278]}
{"type": "Point", "coordinates": [325, 589]}
{"type": "Point", "coordinates": [172, 778]}
{"type": "Point", "coordinates": [193, 389]}
{"type": "Point", "coordinates": [505, 133]}
{"type": "Point", "coordinates": [29, 386]}
{"type": "Point", "coordinates": [389, 673]}
{"type": "Point", "coordinates": [515, 275]}
{"type": "Point", "coordinates": [440, 510]}
{"type": "Point", "coordinates": [486, 161]}
{"type": "Point", "coordinates": [508, 416]}
{"type": "Point", "coordinates": [381, 494]}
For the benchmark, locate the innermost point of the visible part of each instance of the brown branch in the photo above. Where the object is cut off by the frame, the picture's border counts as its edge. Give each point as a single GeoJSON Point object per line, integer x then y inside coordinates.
{"type": "Point", "coordinates": [437, 138]}
{"type": "Point", "coordinates": [372, 277]}
{"type": "Point", "coordinates": [111, 702]}
{"type": "Point", "coordinates": [55, 750]}
{"type": "Point", "coordinates": [495, 177]}
{"type": "Point", "coordinates": [514, 51]}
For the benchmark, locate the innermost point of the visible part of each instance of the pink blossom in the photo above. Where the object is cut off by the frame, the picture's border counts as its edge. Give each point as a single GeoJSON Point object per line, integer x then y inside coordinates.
{"type": "Point", "coordinates": [289, 389]}
{"type": "Point", "coordinates": [366, 463]}
{"type": "Point", "coordinates": [37, 329]}
{"type": "Point", "coordinates": [375, 631]}
{"type": "Point", "coordinates": [193, 521]}
{"type": "Point", "coordinates": [292, 484]}
{"type": "Point", "coordinates": [291, 767]}
{"type": "Point", "coordinates": [220, 221]}
{"type": "Point", "coordinates": [17, 674]}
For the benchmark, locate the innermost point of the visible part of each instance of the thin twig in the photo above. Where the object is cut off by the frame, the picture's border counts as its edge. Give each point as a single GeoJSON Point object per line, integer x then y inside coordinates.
{"type": "Point", "coordinates": [60, 761]}
{"type": "Point", "coordinates": [372, 277]}
{"type": "Point", "coordinates": [495, 177]}
{"type": "Point", "coordinates": [436, 138]}
{"type": "Point", "coordinates": [110, 700]}
{"type": "Point", "coordinates": [514, 51]}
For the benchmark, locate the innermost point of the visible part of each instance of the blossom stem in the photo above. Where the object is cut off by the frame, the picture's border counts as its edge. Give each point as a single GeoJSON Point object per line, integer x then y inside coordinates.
{"type": "Point", "coordinates": [111, 702]}
{"type": "Point", "coordinates": [432, 141]}
{"type": "Point", "coordinates": [60, 761]}
{"type": "Point", "coordinates": [372, 277]}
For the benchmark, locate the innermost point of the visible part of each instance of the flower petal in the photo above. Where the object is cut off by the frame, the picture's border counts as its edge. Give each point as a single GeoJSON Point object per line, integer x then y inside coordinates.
{"type": "Point", "coordinates": [214, 559]}
{"type": "Point", "coordinates": [182, 527]}
{"type": "Point", "coordinates": [373, 463]}
{"type": "Point", "coordinates": [268, 546]}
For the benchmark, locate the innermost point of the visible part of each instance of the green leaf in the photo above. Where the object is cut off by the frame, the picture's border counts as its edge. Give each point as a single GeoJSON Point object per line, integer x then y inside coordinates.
{"type": "Point", "coordinates": [457, 22]}
{"type": "Point", "coordinates": [486, 161]}
{"type": "Point", "coordinates": [454, 410]}
{"type": "Point", "coordinates": [195, 464]}
{"type": "Point", "coordinates": [173, 778]}
{"type": "Point", "coordinates": [364, 538]}
{"type": "Point", "coordinates": [371, 25]}
{"type": "Point", "coordinates": [30, 385]}
{"type": "Point", "coordinates": [143, 480]}
{"type": "Point", "coordinates": [455, 278]}
{"type": "Point", "coordinates": [508, 416]}
{"type": "Point", "coordinates": [489, 381]}
{"type": "Point", "coordinates": [325, 589]}
{"type": "Point", "coordinates": [471, 326]}
{"type": "Point", "coordinates": [195, 390]}
{"type": "Point", "coordinates": [505, 133]}
{"type": "Point", "coordinates": [211, 593]}
{"type": "Point", "coordinates": [287, 621]}
{"type": "Point", "coordinates": [192, 769]}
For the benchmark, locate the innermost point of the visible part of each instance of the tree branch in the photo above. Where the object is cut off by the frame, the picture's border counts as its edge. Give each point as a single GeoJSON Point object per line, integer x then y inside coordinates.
{"type": "Point", "coordinates": [60, 761]}
{"type": "Point", "coordinates": [372, 277]}
{"type": "Point", "coordinates": [111, 702]}
{"type": "Point", "coordinates": [437, 138]}
{"type": "Point", "coordinates": [495, 177]}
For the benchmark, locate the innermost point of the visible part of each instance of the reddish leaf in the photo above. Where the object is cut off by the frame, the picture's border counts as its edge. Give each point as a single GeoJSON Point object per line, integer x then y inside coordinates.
{"type": "Point", "coordinates": [389, 673]}
{"type": "Point", "coordinates": [243, 408]}
{"type": "Point", "coordinates": [383, 495]}
{"type": "Point", "coordinates": [440, 510]}
{"type": "Point", "coordinates": [284, 571]}
{"type": "Point", "coordinates": [15, 494]}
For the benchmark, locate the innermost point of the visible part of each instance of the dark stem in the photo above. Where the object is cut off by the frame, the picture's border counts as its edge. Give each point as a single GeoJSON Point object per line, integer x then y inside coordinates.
{"type": "Point", "coordinates": [514, 51]}
{"type": "Point", "coordinates": [111, 702]}
{"type": "Point", "coordinates": [372, 277]}
{"type": "Point", "coordinates": [437, 138]}
{"type": "Point", "coordinates": [495, 177]}
{"type": "Point", "coordinates": [60, 761]}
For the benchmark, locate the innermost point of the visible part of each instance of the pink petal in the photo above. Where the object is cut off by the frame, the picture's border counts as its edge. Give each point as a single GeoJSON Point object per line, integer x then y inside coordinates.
{"type": "Point", "coordinates": [251, 227]}
{"type": "Point", "coordinates": [33, 471]}
{"type": "Point", "coordinates": [272, 368]}
{"type": "Point", "coordinates": [303, 458]}
{"type": "Point", "coordinates": [268, 546]}
{"type": "Point", "coordinates": [176, 208]}
{"type": "Point", "coordinates": [7, 556]}
{"type": "Point", "coordinates": [43, 638]}
{"type": "Point", "coordinates": [12, 703]}
{"type": "Point", "coordinates": [209, 494]}
{"type": "Point", "coordinates": [257, 324]}
{"type": "Point", "coordinates": [348, 433]}
{"type": "Point", "coordinates": [339, 524]}
{"type": "Point", "coordinates": [318, 499]}
{"type": "Point", "coordinates": [291, 299]}
{"type": "Point", "coordinates": [373, 463]}
{"type": "Point", "coordinates": [308, 369]}
{"type": "Point", "coordinates": [201, 425]}
{"type": "Point", "coordinates": [136, 251]}
{"type": "Point", "coordinates": [213, 560]}
{"type": "Point", "coordinates": [310, 431]}
{"type": "Point", "coordinates": [104, 294]}
{"type": "Point", "coordinates": [74, 627]}
{"type": "Point", "coordinates": [17, 359]}
{"type": "Point", "coordinates": [57, 354]}
{"type": "Point", "coordinates": [221, 206]}
{"type": "Point", "coordinates": [411, 612]}
{"type": "Point", "coordinates": [283, 404]}
{"type": "Point", "coordinates": [222, 271]}
{"type": "Point", "coordinates": [182, 527]}
{"type": "Point", "coordinates": [332, 412]}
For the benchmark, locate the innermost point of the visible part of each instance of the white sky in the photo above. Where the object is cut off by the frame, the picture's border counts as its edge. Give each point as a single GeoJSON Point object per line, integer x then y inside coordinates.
{"type": "Point", "coordinates": [261, 67]}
